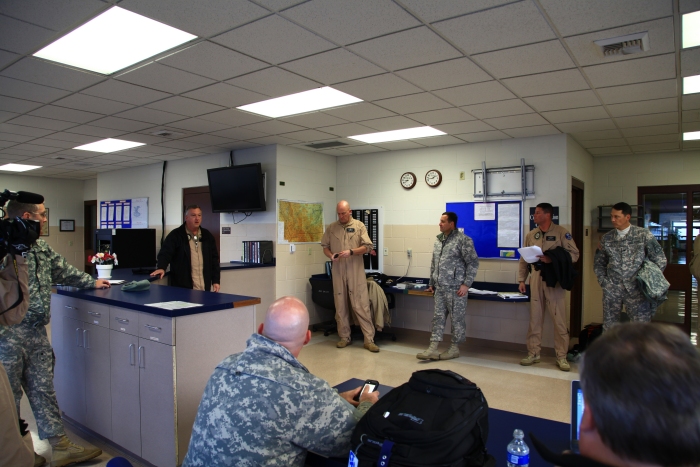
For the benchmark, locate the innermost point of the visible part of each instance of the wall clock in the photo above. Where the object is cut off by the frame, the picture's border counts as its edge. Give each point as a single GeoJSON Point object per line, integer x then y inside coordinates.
{"type": "Point", "coordinates": [408, 180]}
{"type": "Point", "coordinates": [433, 178]}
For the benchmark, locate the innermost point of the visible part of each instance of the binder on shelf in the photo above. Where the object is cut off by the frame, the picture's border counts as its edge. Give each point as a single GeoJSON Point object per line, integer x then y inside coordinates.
{"type": "Point", "coordinates": [258, 251]}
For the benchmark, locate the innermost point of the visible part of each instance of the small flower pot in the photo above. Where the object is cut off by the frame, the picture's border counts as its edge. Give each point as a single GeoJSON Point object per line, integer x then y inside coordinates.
{"type": "Point", "coordinates": [104, 271]}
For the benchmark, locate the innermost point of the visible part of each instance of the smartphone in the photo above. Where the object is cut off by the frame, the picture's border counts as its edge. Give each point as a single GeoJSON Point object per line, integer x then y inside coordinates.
{"type": "Point", "coordinates": [336, 255]}
{"type": "Point", "coordinates": [369, 386]}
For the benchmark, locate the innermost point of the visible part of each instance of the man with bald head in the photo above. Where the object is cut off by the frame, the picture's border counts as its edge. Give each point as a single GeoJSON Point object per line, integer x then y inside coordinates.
{"type": "Point", "coordinates": [344, 242]}
{"type": "Point", "coordinates": [262, 407]}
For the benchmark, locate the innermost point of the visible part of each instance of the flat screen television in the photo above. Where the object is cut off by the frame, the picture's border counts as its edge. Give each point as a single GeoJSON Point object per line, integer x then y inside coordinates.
{"type": "Point", "coordinates": [239, 188]}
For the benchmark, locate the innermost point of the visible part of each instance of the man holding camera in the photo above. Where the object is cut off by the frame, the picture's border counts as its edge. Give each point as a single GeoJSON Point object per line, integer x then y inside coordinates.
{"type": "Point", "coordinates": [25, 350]}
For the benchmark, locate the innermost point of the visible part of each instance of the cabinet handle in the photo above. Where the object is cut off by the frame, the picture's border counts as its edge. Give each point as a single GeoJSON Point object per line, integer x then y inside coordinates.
{"type": "Point", "coordinates": [142, 355]}
{"type": "Point", "coordinates": [77, 337]}
{"type": "Point", "coordinates": [94, 313]}
{"type": "Point", "coordinates": [85, 338]}
{"type": "Point", "coordinates": [131, 355]}
{"type": "Point", "coordinates": [153, 328]}
{"type": "Point", "coordinates": [121, 320]}
{"type": "Point", "coordinates": [71, 307]}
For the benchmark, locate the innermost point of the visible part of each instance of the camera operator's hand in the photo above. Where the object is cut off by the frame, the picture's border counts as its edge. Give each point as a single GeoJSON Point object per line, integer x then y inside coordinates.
{"type": "Point", "coordinates": [21, 235]}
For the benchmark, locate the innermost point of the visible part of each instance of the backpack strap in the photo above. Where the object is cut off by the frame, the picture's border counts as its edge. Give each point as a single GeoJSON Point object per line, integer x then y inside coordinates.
{"type": "Point", "coordinates": [385, 453]}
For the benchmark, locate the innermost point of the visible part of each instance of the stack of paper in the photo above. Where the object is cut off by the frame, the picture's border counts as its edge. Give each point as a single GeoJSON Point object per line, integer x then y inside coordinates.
{"type": "Point", "coordinates": [530, 253]}
{"type": "Point", "coordinates": [481, 292]}
{"type": "Point", "coordinates": [511, 295]}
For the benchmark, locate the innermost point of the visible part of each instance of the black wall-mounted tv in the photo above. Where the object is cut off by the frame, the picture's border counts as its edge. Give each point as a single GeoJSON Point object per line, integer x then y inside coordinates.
{"type": "Point", "coordinates": [240, 188]}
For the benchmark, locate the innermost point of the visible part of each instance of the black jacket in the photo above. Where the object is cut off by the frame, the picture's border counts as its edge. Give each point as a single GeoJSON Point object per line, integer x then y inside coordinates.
{"type": "Point", "coordinates": [176, 252]}
{"type": "Point", "coordinates": [561, 269]}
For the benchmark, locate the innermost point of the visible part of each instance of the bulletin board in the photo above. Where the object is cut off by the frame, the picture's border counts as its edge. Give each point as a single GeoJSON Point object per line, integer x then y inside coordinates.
{"type": "Point", "coordinates": [124, 214]}
{"type": "Point", "coordinates": [496, 227]}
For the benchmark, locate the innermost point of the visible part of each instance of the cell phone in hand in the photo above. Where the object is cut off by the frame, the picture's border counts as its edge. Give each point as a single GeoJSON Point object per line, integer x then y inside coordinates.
{"type": "Point", "coordinates": [336, 255]}
{"type": "Point", "coordinates": [369, 386]}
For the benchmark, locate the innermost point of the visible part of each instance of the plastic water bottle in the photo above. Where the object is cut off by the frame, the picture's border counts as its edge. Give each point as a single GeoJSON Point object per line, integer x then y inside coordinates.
{"type": "Point", "coordinates": [518, 451]}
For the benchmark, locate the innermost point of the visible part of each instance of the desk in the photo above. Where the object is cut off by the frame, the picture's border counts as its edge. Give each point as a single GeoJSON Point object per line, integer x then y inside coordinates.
{"type": "Point", "coordinates": [554, 435]}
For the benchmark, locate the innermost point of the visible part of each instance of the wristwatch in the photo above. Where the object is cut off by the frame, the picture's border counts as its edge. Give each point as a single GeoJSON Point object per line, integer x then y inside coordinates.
{"type": "Point", "coordinates": [351, 252]}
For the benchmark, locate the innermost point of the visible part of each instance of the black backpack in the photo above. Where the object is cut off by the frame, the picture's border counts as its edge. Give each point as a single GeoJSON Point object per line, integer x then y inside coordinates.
{"type": "Point", "coordinates": [589, 333]}
{"type": "Point", "coordinates": [438, 418]}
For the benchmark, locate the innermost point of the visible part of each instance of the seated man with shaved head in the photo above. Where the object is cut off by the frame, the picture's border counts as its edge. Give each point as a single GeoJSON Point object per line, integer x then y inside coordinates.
{"type": "Point", "coordinates": [262, 407]}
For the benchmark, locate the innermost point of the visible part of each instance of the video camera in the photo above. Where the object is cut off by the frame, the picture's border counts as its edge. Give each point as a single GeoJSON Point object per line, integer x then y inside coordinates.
{"type": "Point", "coordinates": [17, 235]}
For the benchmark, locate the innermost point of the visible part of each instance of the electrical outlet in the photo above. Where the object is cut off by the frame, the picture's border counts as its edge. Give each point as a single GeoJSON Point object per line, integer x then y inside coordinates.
{"type": "Point", "coordinates": [410, 252]}
{"type": "Point", "coordinates": [386, 251]}
{"type": "Point", "coordinates": [461, 175]}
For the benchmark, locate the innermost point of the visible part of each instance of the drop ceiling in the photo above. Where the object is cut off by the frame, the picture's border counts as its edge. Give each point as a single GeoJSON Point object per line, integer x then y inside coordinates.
{"type": "Point", "coordinates": [478, 70]}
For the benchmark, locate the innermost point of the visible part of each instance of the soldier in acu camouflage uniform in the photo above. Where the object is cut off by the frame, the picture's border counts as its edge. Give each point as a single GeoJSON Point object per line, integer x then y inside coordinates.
{"type": "Point", "coordinates": [452, 272]}
{"type": "Point", "coordinates": [619, 256]}
{"type": "Point", "coordinates": [25, 350]}
{"type": "Point", "coordinates": [262, 407]}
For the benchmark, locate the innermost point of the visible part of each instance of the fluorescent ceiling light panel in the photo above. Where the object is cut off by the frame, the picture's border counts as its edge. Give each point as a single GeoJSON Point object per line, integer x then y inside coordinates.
{"type": "Point", "coordinates": [691, 84]}
{"type": "Point", "coordinates": [691, 135]}
{"type": "Point", "coordinates": [109, 145]}
{"type": "Point", "coordinates": [18, 167]}
{"type": "Point", "coordinates": [398, 135]}
{"type": "Point", "coordinates": [112, 41]}
{"type": "Point", "coordinates": [691, 29]}
{"type": "Point", "coordinates": [302, 102]}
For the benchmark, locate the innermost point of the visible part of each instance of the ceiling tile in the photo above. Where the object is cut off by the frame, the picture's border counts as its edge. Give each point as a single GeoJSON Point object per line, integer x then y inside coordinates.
{"type": "Point", "coordinates": [644, 107]}
{"type": "Point", "coordinates": [70, 138]}
{"type": "Point", "coordinates": [313, 120]}
{"type": "Point", "coordinates": [274, 40]}
{"type": "Point", "coordinates": [42, 72]}
{"type": "Point", "coordinates": [199, 125]}
{"type": "Point", "coordinates": [670, 138]}
{"type": "Point", "coordinates": [7, 57]}
{"type": "Point", "coordinates": [181, 145]}
{"type": "Point", "coordinates": [498, 109]}
{"type": "Point", "coordinates": [23, 130]}
{"type": "Point", "coordinates": [436, 117]}
{"type": "Point", "coordinates": [120, 124]}
{"type": "Point", "coordinates": [446, 74]}
{"type": "Point", "coordinates": [92, 104]}
{"type": "Point", "coordinates": [30, 91]}
{"type": "Point", "coordinates": [575, 17]}
{"type": "Point", "coordinates": [267, 140]}
{"type": "Point", "coordinates": [212, 61]}
{"type": "Point", "coordinates": [364, 149]}
{"type": "Point", "coordinates": [576, 115]}
{"type": "Point", "coordinates": [610, 151]}
{"type": "Point", "coordinates": [348, 22]}
{"type": "Point", "coordinates": [5, 116]}
{"type": "Point", "coordinates": [273, 127]}
{"type": "Point", "coordinates": [604, 143]}
{"type": "Point", "coordinates": [483, 31]}
{"type": "Point", "coordinates": [347, 129]}
{"type": "Point", "coordinates": [39, 122]}
{"type": "Point", "coordinates": [390, 123]}
{"type": "Point", "coordinates": [234, 117]}
{"type": "Point", "coordinates": [647, 120]}
{"type": "Point", "coordinates": [406, 49]}
{"type": "Point", "coordinates": [378, 87]}
{"type": "Point", "coordinates": [15, 138]}
{"type": "Point", "coordinates": [585, 126]}
{"type": "Point", "coordinates": [547, 83]}
{"type": "Point", "coordinates": [399, 145]}
{"type": "Point", "coordinates": [279, 4]}
{"type": "Point", "coordinates": [69, 115]}
{"type": "Point", "coordinates": [144, 114]}
{"type": "Point", "coordinates": [516, 121]}
{"type": "Point", "coordinates": [239, 134]}
{"type": "Point", "coordinates": [35, 148]}
{"type": "Point", "coordinates": [632, 71]}
{"type": "Point", "coordinates": [333, 67]}
{"type": "Point", "coordinates": [163, 78]}
{"type": "Point", "coordinates": [413, 103]}
{"type": "Point", "coordinates": [464, 127]}
{"type": "Point", "coordinates": [95, 131]}
{"type": "Point", "coordinates": [639, 92]}
{"type": "Point", "coordinates": [478, 93]}
{"type": "Point", "coordinates": [22, 37]}
{"type": "Point", "coordinates": [184, 106]}
{"type": "Point", "coordinates": [525, 60]}
{"type": "Point", "coordinates": [200, 18]}
{"type": "Point", "coordinates": [10, 104]}
{"type": "Point", "coordinates": [690, 62]}
{"type": "Point", "coordinates": [124, 92]}
{"type": "Point", "coordinates": [359, 112]}
{"type": "Point", "coordinates": [656, 147]}
{"type": "Point", "coordinates": [207, 139]}
{"type": "Point", "coordinates": [661, 40]}
{"type": "Point", "coordinates": [309, 135]}
{"type": "Point", "coordinates": [531, 131]}
{"type": "Point", "coordinates": [691, 101]}
{"type": "Point", "coordinates": [596, 135]}
{"type": "Point", "coordinates": [566, 100]}
{"type": "Point", "coordinates": [435, 141]}
{"type": "Point", "coordinates": [56, 15]}
{"type": "Point", "coordinates": [691, 116]}
{"type": "Point", "coordinates": [433, 11]}
{"type": "Point", "coordinates": [226, 95]}
{"type": "Point", "coordinates": [274, 82]}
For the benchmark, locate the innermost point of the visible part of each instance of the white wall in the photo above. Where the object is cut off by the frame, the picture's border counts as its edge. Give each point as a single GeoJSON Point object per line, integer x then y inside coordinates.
{"type": "Point", "coordinates": [90, 189]}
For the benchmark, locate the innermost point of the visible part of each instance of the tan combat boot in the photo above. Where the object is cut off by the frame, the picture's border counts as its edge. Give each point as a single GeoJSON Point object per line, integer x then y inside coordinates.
{"type": "Point", "coordinates": [372, 347]}
{"type": "Point", "coordinates": [342, 343]}
{"type": "Point", "coordinates": [529, 360]}
{"type": "Point", "coordinates": [452, 352]}
{"type": "Point", "coordinates": [66, 452]}
{"type": "Point", "coordinates": [430, 354]}
{"type": "Point", "coordinates": [563, 364]}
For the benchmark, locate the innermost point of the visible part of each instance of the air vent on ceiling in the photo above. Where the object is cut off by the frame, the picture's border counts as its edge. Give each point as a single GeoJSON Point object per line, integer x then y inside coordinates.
{"type": "Point", "coordinates": [624, 45]}
{"type": "Point", "coordinates": [329, 144]}
{"type": "Point", "coordinates": [58, 157]}
{"type": "Point", "coordinates": [167, 134]}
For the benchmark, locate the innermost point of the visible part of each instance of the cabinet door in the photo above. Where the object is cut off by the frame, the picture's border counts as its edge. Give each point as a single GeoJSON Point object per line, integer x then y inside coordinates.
{"type": "Point", "coordinates": [73, 366]}
{"type": "Point", "coordinates": [98, 395]}
{"type": "Point", "coordinates": [126, 408]}
{"type": "Point", "coordinates": [157, 383]}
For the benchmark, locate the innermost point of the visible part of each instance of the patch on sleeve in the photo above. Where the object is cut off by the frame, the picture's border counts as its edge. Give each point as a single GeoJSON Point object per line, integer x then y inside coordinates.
{"type": "Point", "coordinates": [568, 236]}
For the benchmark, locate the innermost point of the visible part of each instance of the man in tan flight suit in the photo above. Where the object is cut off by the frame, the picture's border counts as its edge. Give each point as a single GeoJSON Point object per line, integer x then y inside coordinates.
{"type": "Point", "coordinates": [547, 236]}
{"type": "Point", "coordinates": [344, 242]}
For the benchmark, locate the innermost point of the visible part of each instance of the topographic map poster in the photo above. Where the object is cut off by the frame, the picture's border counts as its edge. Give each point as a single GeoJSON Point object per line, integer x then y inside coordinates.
{"type": "Point", "coordinates": [299, 222]}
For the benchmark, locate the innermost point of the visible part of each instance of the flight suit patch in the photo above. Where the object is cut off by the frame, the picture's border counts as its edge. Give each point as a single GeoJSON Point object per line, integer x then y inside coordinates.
{"type": "Point", "coordinates": [351, 229]}
{"type": "Point", "coordinates": [551, 238]}
{"type": "Point", "coordinates": [537, 236]}
{"type": "Point", "coordinates": [567, 236]}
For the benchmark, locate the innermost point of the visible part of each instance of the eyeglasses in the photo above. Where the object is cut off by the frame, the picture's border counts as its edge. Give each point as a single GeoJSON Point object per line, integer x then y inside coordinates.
{"type": "Point", "coordinates": [41, 214]}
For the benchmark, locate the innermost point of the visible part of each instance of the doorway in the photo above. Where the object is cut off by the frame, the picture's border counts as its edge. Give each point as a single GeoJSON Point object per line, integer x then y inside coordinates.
{"type": "Point", "coordinates": [672, 214]}
{"type": "Point", "coordinates": [90, 223]}
{"type": "Point", "coordinates": [576, 296]}
{"type": "Point", "coordinates": [199, 195]}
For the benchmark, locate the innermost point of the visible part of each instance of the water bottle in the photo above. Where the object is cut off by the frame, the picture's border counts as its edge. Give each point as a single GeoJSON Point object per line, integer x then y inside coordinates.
{"type": "Point", "coordinates": [518, 451]}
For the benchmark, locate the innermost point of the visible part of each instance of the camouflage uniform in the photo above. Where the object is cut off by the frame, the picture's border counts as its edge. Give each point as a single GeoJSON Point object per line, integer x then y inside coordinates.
{"type": "Point", "coordinates": [616, 265]}
{"type": "Point", "coordinates": [454, 263]}
{"type": "Point", "coordinates": [25, 350]}
{"type": "Point", "coordinates": [262, 407]}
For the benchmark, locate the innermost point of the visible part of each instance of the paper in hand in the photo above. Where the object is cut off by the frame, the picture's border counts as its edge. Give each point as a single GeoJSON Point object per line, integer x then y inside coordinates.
{"type": "Point", "coordinates": [530, 253]}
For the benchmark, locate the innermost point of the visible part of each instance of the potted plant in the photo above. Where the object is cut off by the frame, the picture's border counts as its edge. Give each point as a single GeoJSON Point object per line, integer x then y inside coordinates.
{"type": "Point", "coordinates": [104, 262]}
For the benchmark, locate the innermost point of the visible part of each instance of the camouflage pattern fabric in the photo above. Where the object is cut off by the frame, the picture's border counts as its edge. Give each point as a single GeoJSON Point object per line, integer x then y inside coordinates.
{"type": "Point", "coordinates": [652, 283]}
{"type": "Point", "coordinates": [616, 266]}
{"type": "Point", "coordinates": [25, 350]}
{"type": "Point", "coordinates": [454, 263]}
{"type": "Point", "coordinates": [262, 407]}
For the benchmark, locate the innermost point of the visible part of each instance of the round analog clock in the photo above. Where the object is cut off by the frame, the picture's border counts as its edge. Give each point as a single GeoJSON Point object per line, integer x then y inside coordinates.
{"type": "Point", "coordinates": [433, 178]}
{"type": "Point", "coordinates": [408, 180]}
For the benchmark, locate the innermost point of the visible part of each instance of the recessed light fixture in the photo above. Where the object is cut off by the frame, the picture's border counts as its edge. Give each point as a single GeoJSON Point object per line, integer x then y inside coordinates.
{"type": "Point", "coordinates": [112, 41]}
{"type": "Point", "coordinates": [691, 29]}
{"type": "Point", "coordinates": [109, 145]}
{"type": "Point", "coordinates": [302, 102]}
{"type": "Point", "coordinates": [691, 84]}
{"type": "Point", "coordinates": [691, 135]}
{"type": "Point", "coordinates": [398, 135]}
{"type": "Point", "coordinates": [18, 167]}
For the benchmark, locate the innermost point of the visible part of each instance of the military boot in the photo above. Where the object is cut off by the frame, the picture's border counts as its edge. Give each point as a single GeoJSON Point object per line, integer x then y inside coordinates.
{"type": "Point", "coordinates": [342, 343]}
{"type": "Point", "coordinates": [430, 354]}
{"type": "Point", "coordinates": [529, 360]}
{"type": "Point", "coordinates": [563, 364]}
{"type": "Point", "coordinates": [66, 452]}
{"type": "Point", "coordinates": [449, 354]}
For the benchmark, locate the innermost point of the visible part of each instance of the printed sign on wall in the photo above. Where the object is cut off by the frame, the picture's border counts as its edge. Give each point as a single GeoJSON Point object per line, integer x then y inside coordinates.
{"type": "Point", "coordinates": [124, 214]}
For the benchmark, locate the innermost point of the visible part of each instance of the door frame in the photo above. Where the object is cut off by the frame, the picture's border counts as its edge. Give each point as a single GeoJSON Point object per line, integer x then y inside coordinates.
{"type": "Point", "coordinates": [577, 221]}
